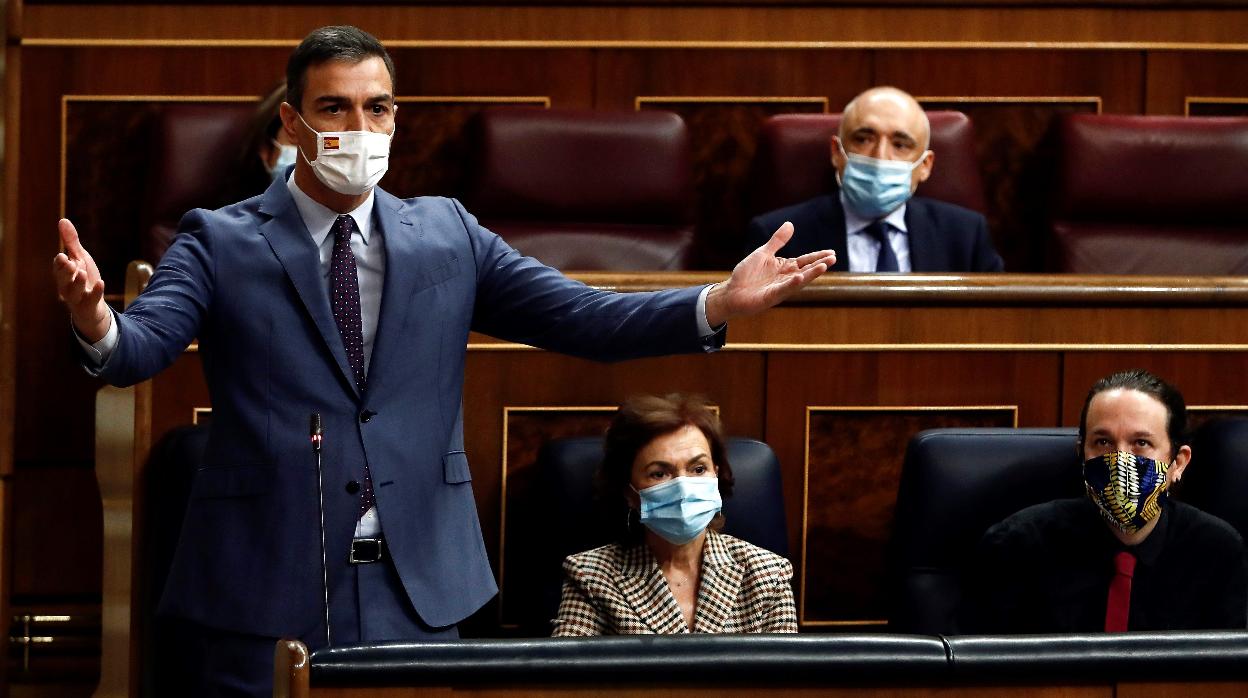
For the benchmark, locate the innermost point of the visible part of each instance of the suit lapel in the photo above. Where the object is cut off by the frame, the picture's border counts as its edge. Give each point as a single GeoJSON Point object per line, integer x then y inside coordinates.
{"type": "Point", "coordinates": [923, 246]}
{"type": "Point", "coordinates": [717, 594]}
{"type": "Point", "coordinates": [401, 236]}
{"type": "Point", "coordinates": [832, 219]}
{"type": "Point", "coordinates": [292, 245]}
{"type": "Point", "coordinates": [639, 579]}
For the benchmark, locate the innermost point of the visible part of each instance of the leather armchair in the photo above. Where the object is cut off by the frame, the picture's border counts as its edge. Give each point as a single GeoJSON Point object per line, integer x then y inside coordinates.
{"type": "Point", "coordinates": [194, 156]}
{"type": "Point", "coordinates": [1151, 195]}
{"type": "Point", "coordinates": [586, 190]}
{"type": "Point", "coordinates": [1216, 480]}
{"type": "Point", "coordinates": [794, 161]}
{"type": "Point", "coordinates": [955, 484]}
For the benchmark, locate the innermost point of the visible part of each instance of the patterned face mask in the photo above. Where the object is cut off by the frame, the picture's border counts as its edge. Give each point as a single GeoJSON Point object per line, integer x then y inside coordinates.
{"type": "Point", "coordinates": [1127, 489]}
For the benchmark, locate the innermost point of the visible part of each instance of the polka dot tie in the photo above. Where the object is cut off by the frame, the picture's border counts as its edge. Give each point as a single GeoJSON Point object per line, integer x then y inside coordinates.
{"type": "Point", "coordinates": [344, 296]}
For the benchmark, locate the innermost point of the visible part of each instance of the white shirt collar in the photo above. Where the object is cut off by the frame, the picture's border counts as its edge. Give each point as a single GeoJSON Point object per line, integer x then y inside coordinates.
{"type": "Point", "coordinates": [855, 224]}
{"type": "Point", "coordinates": [319, 219]}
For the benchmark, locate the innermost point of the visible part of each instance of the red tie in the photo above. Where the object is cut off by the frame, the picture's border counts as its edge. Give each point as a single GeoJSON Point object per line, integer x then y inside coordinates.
{"type": "Point", "coordinates": [1118, 607]}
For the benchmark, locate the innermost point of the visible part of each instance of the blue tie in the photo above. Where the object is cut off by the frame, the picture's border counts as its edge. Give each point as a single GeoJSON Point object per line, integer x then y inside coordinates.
{"type": "Point", "coordinates": [887, 261]}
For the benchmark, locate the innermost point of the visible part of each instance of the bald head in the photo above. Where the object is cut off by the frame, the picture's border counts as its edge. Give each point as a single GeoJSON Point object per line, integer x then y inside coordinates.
{"type": "Point", "coordinates": [895, 106]}
{"type": "Point", "coordinates": [885, 123]}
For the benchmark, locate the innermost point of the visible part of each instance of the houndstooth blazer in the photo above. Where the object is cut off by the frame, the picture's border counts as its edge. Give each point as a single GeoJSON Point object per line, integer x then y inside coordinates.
{"type": "Point", "coordinates": [614, 590]}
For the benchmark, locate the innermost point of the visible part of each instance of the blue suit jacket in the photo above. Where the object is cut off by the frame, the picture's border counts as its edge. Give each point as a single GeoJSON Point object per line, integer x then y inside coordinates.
{"type": "Point", "coordinates": [943, 237]}
{"type": "Point", "coordinates": [246, 281]}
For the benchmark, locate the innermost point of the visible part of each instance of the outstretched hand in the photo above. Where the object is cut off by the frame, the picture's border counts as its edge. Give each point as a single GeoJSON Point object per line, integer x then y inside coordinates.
{"type": "Point", "coordinates": [763, 280]}
{"type": "Point", "coordinates": [79, 285]}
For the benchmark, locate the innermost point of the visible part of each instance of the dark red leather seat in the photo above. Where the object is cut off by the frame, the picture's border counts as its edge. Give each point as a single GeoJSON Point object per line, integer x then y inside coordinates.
{"type": "Point", "coordinates": [192, 160]}
{"type": "Point", "coordinates": [1152, 195]}
{"type": "Point", "coordinates": [586, 190]}
{"type": "Point", "coordinates": [794, 161]}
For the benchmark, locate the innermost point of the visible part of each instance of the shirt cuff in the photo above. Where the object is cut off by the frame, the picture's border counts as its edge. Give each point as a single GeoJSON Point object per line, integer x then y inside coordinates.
{"type": "Point", "coordinates": [704, 327]}
{"type": "Point", "coordinates": [99, 352]}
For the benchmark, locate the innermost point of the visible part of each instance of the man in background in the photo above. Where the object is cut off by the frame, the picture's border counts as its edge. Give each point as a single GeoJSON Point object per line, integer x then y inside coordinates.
{"type": "Point", "coordinates": [881, 155]}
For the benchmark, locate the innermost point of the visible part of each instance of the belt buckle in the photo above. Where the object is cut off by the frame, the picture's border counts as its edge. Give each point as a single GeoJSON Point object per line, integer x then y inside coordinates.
{"type": "Point", "coordinates": [365, 550]}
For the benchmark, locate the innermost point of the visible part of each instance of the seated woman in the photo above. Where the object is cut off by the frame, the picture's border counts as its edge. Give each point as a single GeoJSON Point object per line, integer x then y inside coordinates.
{"type": "Point", "coordinates": [671, 570]}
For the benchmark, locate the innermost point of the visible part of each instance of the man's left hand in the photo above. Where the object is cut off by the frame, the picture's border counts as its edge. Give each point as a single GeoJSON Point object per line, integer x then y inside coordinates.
{"type": "Point", "coordinates": [762, 279]}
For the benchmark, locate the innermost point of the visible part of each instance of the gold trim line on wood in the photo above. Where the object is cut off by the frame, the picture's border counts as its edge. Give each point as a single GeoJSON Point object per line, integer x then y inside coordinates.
{"type": "Point", "coordinates": [801, 580]}
{"type": "Point", "coordinates": [502, 484]}
{"type": "Point", "coordinates": [197, 412]}
{"type": "Point", "coordinates": [941, 347]}
{"type": "Point", "coordinates": [544, 100]}
{"type": "Point", "coordinates": [1189, 101]}
{"type": "Point", "coordinates": [1217, 408]}
{"type": "Point", "coordinates": [843, 623]}
{"type": "Point", "coordinates": [70, 42]}
{"type": "Point", "coordinates": [159, 98]}
{"type": "Point", "coordinates": [810, 409]}
{"type": "Point", "coordinates": [728, 99]}
{"type": "Point", "coordinates": [1005, 99]}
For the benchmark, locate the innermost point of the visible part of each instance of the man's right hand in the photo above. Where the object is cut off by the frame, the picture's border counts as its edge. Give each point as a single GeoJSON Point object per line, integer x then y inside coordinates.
{"type": "Point", "coordinates": [79, 285]}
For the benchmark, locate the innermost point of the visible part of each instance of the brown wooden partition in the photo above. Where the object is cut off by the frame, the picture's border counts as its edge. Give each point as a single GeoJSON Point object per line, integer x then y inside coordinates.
{"type": "Point", "coordinates": [836, 382]}
{"type": "Point", "coordinates": [83, 79]}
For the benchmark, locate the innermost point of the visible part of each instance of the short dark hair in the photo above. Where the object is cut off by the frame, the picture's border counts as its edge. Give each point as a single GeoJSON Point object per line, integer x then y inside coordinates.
{"type": "Point", "coordinates": [640, 420]}
{"type": "Point", "coordinates": [1149, 384]}
{"type": "Point", "coordinates": [339, 43]}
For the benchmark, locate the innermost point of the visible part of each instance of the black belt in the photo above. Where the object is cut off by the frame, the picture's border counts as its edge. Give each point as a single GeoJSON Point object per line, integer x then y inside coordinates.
{"type": "Point", "coordinates": [366, 550]}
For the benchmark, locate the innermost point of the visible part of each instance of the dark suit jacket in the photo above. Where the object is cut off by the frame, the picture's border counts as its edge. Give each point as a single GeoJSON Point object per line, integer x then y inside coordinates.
{"type": "Point", "coordinates": [943, 237]}
{"type": "Point", "coordinates": [246, 281]}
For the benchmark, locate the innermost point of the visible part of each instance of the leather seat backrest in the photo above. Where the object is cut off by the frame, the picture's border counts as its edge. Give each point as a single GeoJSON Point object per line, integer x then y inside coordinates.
{"type": "Point", "coordinates": [586, 189]}
{"type": "Point", "coordinates": [794, 161]}
{"type": "Point", "coordinates": [1216, 479]}
{"type": "Point", "coordinates": [194, 155]}
{"type": "Point", "coordinates": [1151, 195]}
{"type": "Point", "coordinates": [955, 484]}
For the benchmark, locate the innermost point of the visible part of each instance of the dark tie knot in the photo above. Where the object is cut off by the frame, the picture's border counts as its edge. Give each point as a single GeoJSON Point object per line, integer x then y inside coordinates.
{"type": "Point", "coordinates": [343, 227]}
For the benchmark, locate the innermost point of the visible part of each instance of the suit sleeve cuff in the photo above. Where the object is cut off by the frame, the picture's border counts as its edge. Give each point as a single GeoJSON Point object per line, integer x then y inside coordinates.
{"type": "Point", "coordinates": [97, 354]}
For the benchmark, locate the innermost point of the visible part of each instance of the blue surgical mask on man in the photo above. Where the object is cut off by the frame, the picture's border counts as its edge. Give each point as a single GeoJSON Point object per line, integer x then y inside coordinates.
{"type": "Point", "coordinates": [681, 508]}
{"type": "Point", "coordinates": [286, 156]}
{"type": "Point", "coordinates": [873, 187]}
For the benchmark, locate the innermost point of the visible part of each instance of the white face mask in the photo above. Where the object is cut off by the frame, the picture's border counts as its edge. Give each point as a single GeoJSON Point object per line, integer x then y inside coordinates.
{"type": "Point", "coordinates": [349, 162]}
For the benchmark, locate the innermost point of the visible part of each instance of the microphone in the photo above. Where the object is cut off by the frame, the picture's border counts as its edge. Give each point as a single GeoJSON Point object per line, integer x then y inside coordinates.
{"type": "Point", "coordinates": [317, 434]}
{"type": "Point", "coordinates": [315, 431]}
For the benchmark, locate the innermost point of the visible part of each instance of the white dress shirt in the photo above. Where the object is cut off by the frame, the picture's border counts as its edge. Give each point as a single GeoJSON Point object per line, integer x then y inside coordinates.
{"type": "Point", "coordinates": [864, 249]}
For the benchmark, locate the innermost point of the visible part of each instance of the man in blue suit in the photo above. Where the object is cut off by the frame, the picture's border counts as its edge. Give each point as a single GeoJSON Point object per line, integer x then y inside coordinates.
{"type": "Point", "coordinates": [881, 156]}
{"type": "Point", "coordinates": [326, 295]}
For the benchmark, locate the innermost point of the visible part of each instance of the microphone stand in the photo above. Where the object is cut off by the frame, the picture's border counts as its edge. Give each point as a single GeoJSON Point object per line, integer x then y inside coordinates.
{"type": "Point", "coordinates": [317, 435]}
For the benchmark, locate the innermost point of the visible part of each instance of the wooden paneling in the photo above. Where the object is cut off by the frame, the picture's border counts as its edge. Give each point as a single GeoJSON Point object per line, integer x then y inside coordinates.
{"type": "Point", "coordinates": [1138, 59]}
{"type": "Point", "coordinates": [798, 380]}
{"type": "Point", "coordinates": [1204, 379]}
{"type": "Point", "coordinates": [852, 470]}
{"type": "Point", "coordinates": [866, 22]}
{"type": "Point", "coordinates": [1173, 76]}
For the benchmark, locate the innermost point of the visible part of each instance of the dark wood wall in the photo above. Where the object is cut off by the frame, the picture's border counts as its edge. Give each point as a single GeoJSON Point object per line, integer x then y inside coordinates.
{"type": "Point", "coordinates": [82, 81]}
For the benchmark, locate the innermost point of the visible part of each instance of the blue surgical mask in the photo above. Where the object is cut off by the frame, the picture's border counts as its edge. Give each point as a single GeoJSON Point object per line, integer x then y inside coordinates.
{"type": "Point", "coordinates": [286, 155]}
{"type": "Point", "coordinates": [1128, 490]}
{"type": "Point", "coordinates": [875, 188]}
{"type": "Point", "coordinates": [681, 508]}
